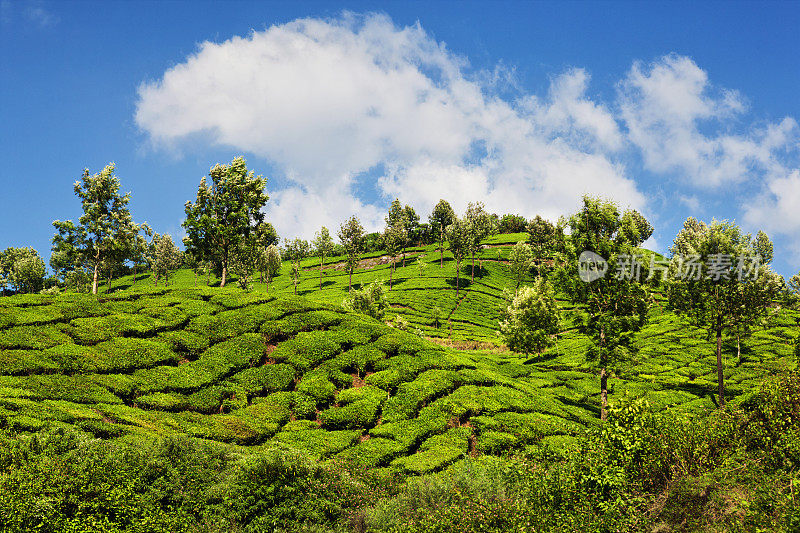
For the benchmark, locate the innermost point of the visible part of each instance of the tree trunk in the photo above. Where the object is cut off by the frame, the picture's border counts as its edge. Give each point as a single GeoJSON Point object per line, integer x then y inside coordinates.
{"type": "Point", "coordinates": [603, 393]}
{"type": "Point", "coordinates": [458, 267]}
{"type": "Point", "coordinates": [603, 377]}
{"type": "Point", "coordinates": [268, 280]}
{"type": "Point", "coordinates": [134, 274]}
{"type": "Point", "coordinates": [208, 276]}
{"type": "Point", "coordinates": [738, 348]}
{"type": "Point", "coordinates": [321, 262]}
{"type": "Point", "coordinates": [295, 286]}
{"type": "Point", "coordinates": [441, 250]}
{"type": "Point", "coordinates": [720, 377]}
{"type": "Point", "coordinates": [472, 276]}
{"type": "Point", "coordinates": [195, 278]}
{"type": "Point", "coordinates": [224, 274]}
{"type": "Point", "coordinates": [94, 278]}
{"type": "Point", "coordinates": [108, 285]}
{"type": "Point", "coordinates": [391, 272]}
{"type": "Point", "coordinates": [404, 257]}
{"type": "Point", "coordinates": [350, 282]}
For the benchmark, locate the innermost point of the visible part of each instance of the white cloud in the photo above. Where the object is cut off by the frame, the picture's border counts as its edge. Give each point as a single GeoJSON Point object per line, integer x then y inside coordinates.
{"type": "Point", "coordinates": [669, 104]}
{"type": "Point", "coordinates": [327, 100]}
{"type": "Point", "coordinates": [777, 209]}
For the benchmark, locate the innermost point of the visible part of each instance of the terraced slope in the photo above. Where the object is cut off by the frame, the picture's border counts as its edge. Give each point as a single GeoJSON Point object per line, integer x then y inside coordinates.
{"type": "Point", "coordinates": [254, 370]}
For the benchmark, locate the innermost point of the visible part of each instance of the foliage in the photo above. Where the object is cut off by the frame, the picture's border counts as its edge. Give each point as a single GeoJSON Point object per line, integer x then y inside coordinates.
{"type": "Point", "coordinates": [520, 261]}
{"type": "Point", "coordinates": [440, 219]}
{"type": "Point", "coordinates": [730, 290]}
{"type": "Point", "coordinates": [509, 223]}
{"type": "Point", "coordinates": [225, 213]}
{"type": "Point", "coordinates": [616, 304]}
{"type": "Point", "coordinates": [106, 232]}
{"type": "Point", "coordinates": [531, 319]}
{"type": "Point", "coordinates": [165, 258]}
{"type": "Point", "coordinates": [323, 245]}
{"type": "Point", "coordinates": [23, 268]}
{"type": "Point", "coordinates": [297, 250]}
{"type": "Point", "coordinates": [370, 300]}
{"type": "Point", "coordinates": [351, 235]}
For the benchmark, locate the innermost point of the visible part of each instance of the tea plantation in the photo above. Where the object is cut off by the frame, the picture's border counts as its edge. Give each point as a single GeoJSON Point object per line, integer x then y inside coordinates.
{"type": "Point", "coordinates": [428, 429]}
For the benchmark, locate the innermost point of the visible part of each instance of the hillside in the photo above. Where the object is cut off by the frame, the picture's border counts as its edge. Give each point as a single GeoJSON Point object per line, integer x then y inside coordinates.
{"type": "Point", "coordinates": [256, 369]}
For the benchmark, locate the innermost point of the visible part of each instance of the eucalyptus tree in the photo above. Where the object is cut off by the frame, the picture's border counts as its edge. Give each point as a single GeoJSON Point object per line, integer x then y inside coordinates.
{"type": "Point", "coordinates": [272, 263]}
{"type": "Point", "coordinates": [393, 238]}
{"type": "Point", "coordinates": [721, 282]}
{"type": "Point", "coordinates": [297, 249]}
{"type": "Point", "coordinates": [616, 304]}
{"type": "Point", "coordinates": [104, 229]}
{"type": "Point", "coordinates": [413, 228]}
{"type": "Point", "coordinates": [520, 261]}
{"type": "Point", "coordinates": [543, 237]}
{"type": "Point", "coordinates": [23, 268]}
{"type": "Point", "coordinates": [441, 217]}
{"type": "Point", "coordinates": [165, 257]}
{"type": "Point", "coordinates": [397, 227]}
{"type": "Point", "coordinates": [351, 235]}
{"type": "Point", "coordinates": [226, 212]}
{"type": "Point", "coordinates": [481, 225]}
{"type": "Point", "coordinates": [323, 245]}
{"type": "Point", "coordinates": [459, 237]}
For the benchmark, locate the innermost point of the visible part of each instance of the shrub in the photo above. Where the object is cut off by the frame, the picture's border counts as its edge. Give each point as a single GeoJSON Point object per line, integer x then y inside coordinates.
{"type": "Point", "coordinates": [370, 300]}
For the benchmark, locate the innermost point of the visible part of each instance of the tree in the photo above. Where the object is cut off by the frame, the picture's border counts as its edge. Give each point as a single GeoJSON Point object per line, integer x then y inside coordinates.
{"type": "Point", "coordinates": [512, 224]}
{"type": "Point", "coordinates": [722, 283]}
{"type": "Point", "coordinates": [272, 263]}
{"type": "Point", "coordinates": [421, 266]}
{"type": "Point", "coordinates": [393, 238]}
{"type": "Point", "coordinates": [370, 300]}
{"type": "Point", "coordinates": [323, 245]}
{"type": "Point", "coordinates": [793, 288]}
{"type": "Point", "coordinates": [615, 304]}
{"type": "Point", "coordinates": [66, 252]}
{"type": "Point", "coordinates": [297, 250]}
{"type": "Point", "coordinates": [520, 260]}
{"type": "Point", "coordinates": [459, 237]}
{"type": "Point", "coordinates": [397, 228]}
{"type": "Point", "coordinates": [104, 228]}
{"type": "Point", "coordinates": [412, 226]}
{"type": "Point", "coordinates": [441, 217]}
{"type": "Point", "coordinates": [225, 213]}
{"type": "Point", "coordinates": [166, 257]}
{"type": "Point", "coordinates": [531, 319]}
{"type": "Point", "coordinates": [23, 268]}
{"type": "Point", "coordinates": [351, 235]}
{"type": "Point", "coordinates": [481, 225]}
{"type": "Point", "coordinates": [543, 238]}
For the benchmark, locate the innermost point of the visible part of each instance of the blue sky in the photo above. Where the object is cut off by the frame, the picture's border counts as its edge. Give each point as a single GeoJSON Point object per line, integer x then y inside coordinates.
{"type": "Point", "coordinates": [678, 109]}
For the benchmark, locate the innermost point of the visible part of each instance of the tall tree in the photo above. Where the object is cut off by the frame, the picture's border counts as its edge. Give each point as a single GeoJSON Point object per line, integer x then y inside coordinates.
{"type": "Point", "coordinates": [351, 235]}
{"type": "Point", "coordinates": [441, 217]}
{"type": "Point", "coordinates": [225, 213]}
{"type": "Point", "coordinates": [616, 304]}
{"type": "Point", "coordinates": [721, 282]}
{"type": "Point", "coordinates": [397, 226]}
{"type": "Point", "coordinates": [66, 253]}
{"type": "Point", "coordinates": [520, 261]}
{"type": "Point", "coordinates": [481, 225]}
{"type": "Point", "coordinates": [413, 228]}
{"type": "Point", "coordinates": [393, 238]}
{"type": "Point", "coordinates": [297, 250]}
{"type": "Point", "coordinates": [105, 226]}
{"type": "Point", "coordinates": [459, 237]}
{"type": "Point", "coordinates": [272, 263]}
{"type": "Point", "coordinates": [323, 245]}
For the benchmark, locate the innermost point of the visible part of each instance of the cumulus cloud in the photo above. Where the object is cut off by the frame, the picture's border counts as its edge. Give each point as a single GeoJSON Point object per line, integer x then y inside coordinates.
{"type": "Point", "coordinates": [669, 104]}
{"type": "Point", "coordinates": [336, 102]}
{"type": "Point", "coordinates": [329, 100]}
